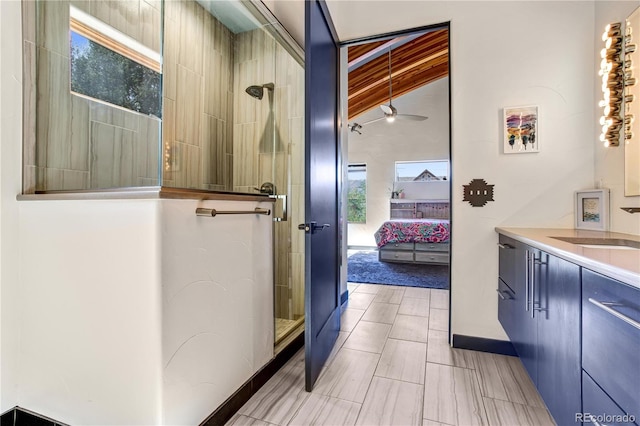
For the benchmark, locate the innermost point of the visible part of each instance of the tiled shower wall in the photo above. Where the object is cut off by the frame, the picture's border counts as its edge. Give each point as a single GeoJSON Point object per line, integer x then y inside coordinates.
{"type": "Point", "coordinates": [268, 144]}
{"type": "Point", "coordinates": [80, 143]}
{"type": "Point", "coordinates": [198, 99]}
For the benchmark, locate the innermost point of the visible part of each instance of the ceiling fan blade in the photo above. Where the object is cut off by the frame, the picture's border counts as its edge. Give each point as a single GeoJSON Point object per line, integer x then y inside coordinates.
{"type": "Point", "coordinates": [372, 121]}
{"type": "Point", "coordinates": [387, 109]}
{"type": "Point", "coordinates": [411, 117]}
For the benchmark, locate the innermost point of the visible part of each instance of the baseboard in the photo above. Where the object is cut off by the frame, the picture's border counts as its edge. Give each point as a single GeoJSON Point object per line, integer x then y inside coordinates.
{"type": "Point", "coordinates": [231, 406]}
{"type": "Point", "coordinates": [18, 416]}
{"type": "Point", "coordinates": [502, 347]}
{"type": "Point", "coordinates": [344, 297]}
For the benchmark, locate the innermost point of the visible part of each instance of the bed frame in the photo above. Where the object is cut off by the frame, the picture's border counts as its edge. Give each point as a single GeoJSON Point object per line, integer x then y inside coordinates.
{"type": "Point", "coordinates": [430, 253]}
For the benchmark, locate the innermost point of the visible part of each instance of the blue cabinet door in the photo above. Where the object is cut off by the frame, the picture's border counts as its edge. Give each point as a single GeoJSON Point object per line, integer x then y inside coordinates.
{"type": "Point", "coordinates": [556, 308]}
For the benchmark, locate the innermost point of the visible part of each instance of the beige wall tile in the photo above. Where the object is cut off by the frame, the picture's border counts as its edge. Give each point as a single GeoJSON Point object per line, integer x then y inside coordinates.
{"type": "Point", "coordinates": [75, 180]}
{"type": "Point", "coordinates": [150, 21]}
{"type": "Point", "coordinates": [29, 179]}
{"type": "Point", "coordinates": [113, 156]}
{"type": "Point", "coordinates": [297, 283]}
{"type": "Point", "coordinates": [53, 26]}
{"type": "Point", "coordinates": [53, 179]}
{"type": "Point", "coordinates": [115, 116]}
{"type": "Point", "coordinates": [191, 36]}
{"type": "Point", "coordinates": [29, 99]}
{"type": "Point", "coordinates": [188, 107]}
{"type": "Point", "coordinates": [80, 130]}
{"type": "Point", "coordinates": [29, 21]}
{"type": "Point", "coordinates": [53, 110]}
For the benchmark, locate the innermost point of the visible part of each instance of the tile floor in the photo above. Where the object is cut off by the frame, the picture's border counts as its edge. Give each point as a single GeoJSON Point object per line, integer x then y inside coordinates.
{"type": "Point", "coordinates": [392, 365]}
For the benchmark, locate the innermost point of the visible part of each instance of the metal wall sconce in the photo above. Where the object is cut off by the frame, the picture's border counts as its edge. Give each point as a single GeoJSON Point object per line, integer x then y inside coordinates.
{"type": "Point", "coordinates": [617, 77]}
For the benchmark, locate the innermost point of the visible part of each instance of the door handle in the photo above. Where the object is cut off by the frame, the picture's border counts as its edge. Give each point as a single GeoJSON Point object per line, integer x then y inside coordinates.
{"type": "Point", "coordinates": [312, 227]}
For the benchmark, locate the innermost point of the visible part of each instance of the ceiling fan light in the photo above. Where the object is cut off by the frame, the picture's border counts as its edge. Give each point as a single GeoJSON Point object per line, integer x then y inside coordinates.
{"type": "Point", "coordinates": [391, 119]}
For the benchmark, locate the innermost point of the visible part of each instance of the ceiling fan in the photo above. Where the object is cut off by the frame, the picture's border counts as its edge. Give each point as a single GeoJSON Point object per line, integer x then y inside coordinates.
{"type": "Point", "coordinates": [390, 112]}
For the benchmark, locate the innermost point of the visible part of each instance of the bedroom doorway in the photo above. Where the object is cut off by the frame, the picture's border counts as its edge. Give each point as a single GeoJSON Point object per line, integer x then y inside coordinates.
{"type": "Point", "coordinates": [398, 181]}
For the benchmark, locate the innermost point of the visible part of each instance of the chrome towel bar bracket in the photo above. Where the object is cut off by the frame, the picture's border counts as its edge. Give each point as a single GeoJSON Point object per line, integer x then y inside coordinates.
{"type": "Point", "coordinates": [213, 212]}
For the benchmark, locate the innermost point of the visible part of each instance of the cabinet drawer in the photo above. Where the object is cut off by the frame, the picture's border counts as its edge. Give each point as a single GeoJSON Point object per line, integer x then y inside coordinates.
{"type": "Point", "coordinates": [401, 256]}
{"type": "Point", "coordinates": [508, 260]}
{"type": "Point", "coordinates": [432, 257]}
{"type": "Point", "coordinates": [398, 246]}
{"type": "Point", "coordinates": [610, 345]}
{"type": "Point", "coordinates": [432, 247]}
{"type": "Point", "coordinates": [597, 403]}
{"type": "Point", "coordinates": [507, 309]}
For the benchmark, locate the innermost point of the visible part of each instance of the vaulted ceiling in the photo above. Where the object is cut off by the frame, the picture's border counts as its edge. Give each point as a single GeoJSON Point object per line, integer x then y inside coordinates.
{"type": "Point", "coordinates": [415, 61]}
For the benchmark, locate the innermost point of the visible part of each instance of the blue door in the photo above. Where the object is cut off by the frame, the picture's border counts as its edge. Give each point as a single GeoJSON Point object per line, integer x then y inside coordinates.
{"type": "Point", "coordinates": [322, 306]}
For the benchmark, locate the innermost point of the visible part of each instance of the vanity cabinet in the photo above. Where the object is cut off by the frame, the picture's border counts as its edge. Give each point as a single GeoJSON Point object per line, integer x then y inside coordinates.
{"type": "Point", "coordinates": [539, 308]}
{"type": "Point", "coordinates": [611, 342]}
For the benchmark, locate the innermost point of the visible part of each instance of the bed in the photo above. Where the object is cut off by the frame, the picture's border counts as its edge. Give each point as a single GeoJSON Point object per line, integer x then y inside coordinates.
{"type": "Point", "coordinates": [413, 241]}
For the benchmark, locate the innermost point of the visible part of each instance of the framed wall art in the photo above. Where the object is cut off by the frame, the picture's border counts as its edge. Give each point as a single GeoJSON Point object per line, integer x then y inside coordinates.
{"type": "Point", "coordinates": [521, 130]}
{"type": "Point", "coordinates": [592, 209]}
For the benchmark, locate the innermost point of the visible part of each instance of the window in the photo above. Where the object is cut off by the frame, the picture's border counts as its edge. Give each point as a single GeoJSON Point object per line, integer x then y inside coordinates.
{"type": "Point", "coordinates": [422, 171]}
{"type": "Point", "coordinates": [112, 67]}
{"type": "Point", "coordinates": [357, 193]}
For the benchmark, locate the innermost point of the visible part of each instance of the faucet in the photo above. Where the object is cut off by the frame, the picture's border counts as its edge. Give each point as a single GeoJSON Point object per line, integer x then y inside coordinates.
{"type": "Point", "coordinates": [267, 188]}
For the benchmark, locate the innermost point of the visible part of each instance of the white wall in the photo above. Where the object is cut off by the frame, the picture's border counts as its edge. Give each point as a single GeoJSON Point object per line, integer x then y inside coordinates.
{"type": "Point", "coordinates": [556, 42]}
{"type": "Point", "coordinates": [381, 144]}
{"type": "Point", "coordinates": [10, 182]}
{"type": "Point", "coordinates": [609, 162]}
{"type": "Point", "coordinates": [217, 304]}
{"type": "Point", "coordinates": [90, 311]}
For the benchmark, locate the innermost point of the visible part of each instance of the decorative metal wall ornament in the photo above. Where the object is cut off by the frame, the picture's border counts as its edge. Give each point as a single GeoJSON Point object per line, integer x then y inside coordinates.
{"type": "Point", "coordinates": [478, 192]}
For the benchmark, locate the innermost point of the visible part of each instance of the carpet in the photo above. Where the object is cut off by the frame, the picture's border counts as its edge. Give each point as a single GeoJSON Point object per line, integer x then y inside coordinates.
{"type": "Point", "coordinates": [364, 267]}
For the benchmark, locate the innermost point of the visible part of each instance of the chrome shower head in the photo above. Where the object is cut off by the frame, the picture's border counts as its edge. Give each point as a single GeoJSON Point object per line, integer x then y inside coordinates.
{"type": "Point", "coordinates": [258, 91]}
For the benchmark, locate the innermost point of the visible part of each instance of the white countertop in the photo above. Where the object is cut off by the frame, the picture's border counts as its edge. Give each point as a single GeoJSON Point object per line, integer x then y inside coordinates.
{"type": "Point", "coordinates": [622, 265]}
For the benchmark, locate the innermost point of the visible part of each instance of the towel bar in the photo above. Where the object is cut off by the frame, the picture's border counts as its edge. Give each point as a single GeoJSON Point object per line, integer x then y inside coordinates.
{"type": "Point", "coordinates": [213, 212]}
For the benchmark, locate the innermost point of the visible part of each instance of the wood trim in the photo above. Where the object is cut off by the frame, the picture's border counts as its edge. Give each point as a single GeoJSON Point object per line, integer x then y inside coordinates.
{"type": "Point", "coordinates": [111, 44]}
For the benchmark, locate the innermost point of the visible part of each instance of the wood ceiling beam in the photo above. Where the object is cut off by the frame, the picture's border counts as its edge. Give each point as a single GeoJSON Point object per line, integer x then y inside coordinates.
{"type": "Point", "coordinates": [413, 64]}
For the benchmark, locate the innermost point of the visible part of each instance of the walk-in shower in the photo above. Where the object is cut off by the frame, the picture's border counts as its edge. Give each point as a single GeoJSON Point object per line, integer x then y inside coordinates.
{"type": "Point", "coordinates": [258, 91]}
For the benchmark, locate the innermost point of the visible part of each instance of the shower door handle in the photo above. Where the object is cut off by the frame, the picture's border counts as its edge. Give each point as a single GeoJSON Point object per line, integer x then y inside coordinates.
{"type": "Point", "coordinates": [282, 197]}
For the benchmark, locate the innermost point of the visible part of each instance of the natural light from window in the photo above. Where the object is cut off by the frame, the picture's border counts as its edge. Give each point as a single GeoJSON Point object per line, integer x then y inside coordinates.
{"type": "Point", "coordinates": [421, 171]}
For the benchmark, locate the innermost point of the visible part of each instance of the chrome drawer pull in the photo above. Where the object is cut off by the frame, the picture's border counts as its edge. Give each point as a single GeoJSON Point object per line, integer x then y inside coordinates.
{"type": "Point", "coordinates": [505, 246]}
{"type": "Point", "coordinates": [606, 306]}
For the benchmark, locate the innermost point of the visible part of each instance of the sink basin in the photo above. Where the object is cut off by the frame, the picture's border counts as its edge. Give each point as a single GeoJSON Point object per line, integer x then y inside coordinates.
{"type": "Point", "coordinates": [603, 243]}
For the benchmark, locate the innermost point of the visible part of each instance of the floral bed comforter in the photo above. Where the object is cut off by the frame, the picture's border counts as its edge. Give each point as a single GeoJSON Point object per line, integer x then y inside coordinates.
{"type": "Point", "coordinates": [413, 230]}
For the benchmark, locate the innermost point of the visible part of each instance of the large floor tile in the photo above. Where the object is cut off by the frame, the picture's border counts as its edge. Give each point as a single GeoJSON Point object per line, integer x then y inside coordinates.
{"type": "Point", "coordinates": [452, 396]}
{"type": "Point", "coordinates": [381, 312]}
{"type": "Point", "coordinates": [503, 377]}
{"type": "Point", "coordinates": [440, 352]}
{"type": "Point", "coordinates": [427, 422]}
{"type": "Point", "coordinates": [350, 318]}
{"type": "Point", "coordinates": [368, 336]}
{"type": "Point", "coordinates": [403, 360]}
{"type": "Point", "coordinates": [352, 287]}
{"type": "Point", "coordinates": [240, 420]}
{"type": "Point", "coordinates": [503, 413]}
{"type": "Point", "coordinates": [279, 399]}
{"type": "Point", "coordinates": [439, 299]}
{"type": "Point", "coordinates": [413, 306]}
{"type": "Point", "coordinates": [417, 292]}
{"type": "Point", "coordinates": [360, 300]}
{"type": "Point", "coordinates": [392, 402]}
{"type": "Point", "coordinates": [349, 375]}
{"type": "Point", "coordinates": [410, 328]}
{"type": "Point", "coordinates": [439, 319]}
{"type": "Point", "coordinates": [368, 288]}
{"type": "Point", "coordinates": [342, 337]}
{"type": "Point", "coordinates": [325, 410]}
{"type": "Point", "coordinates": [390, 294]}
